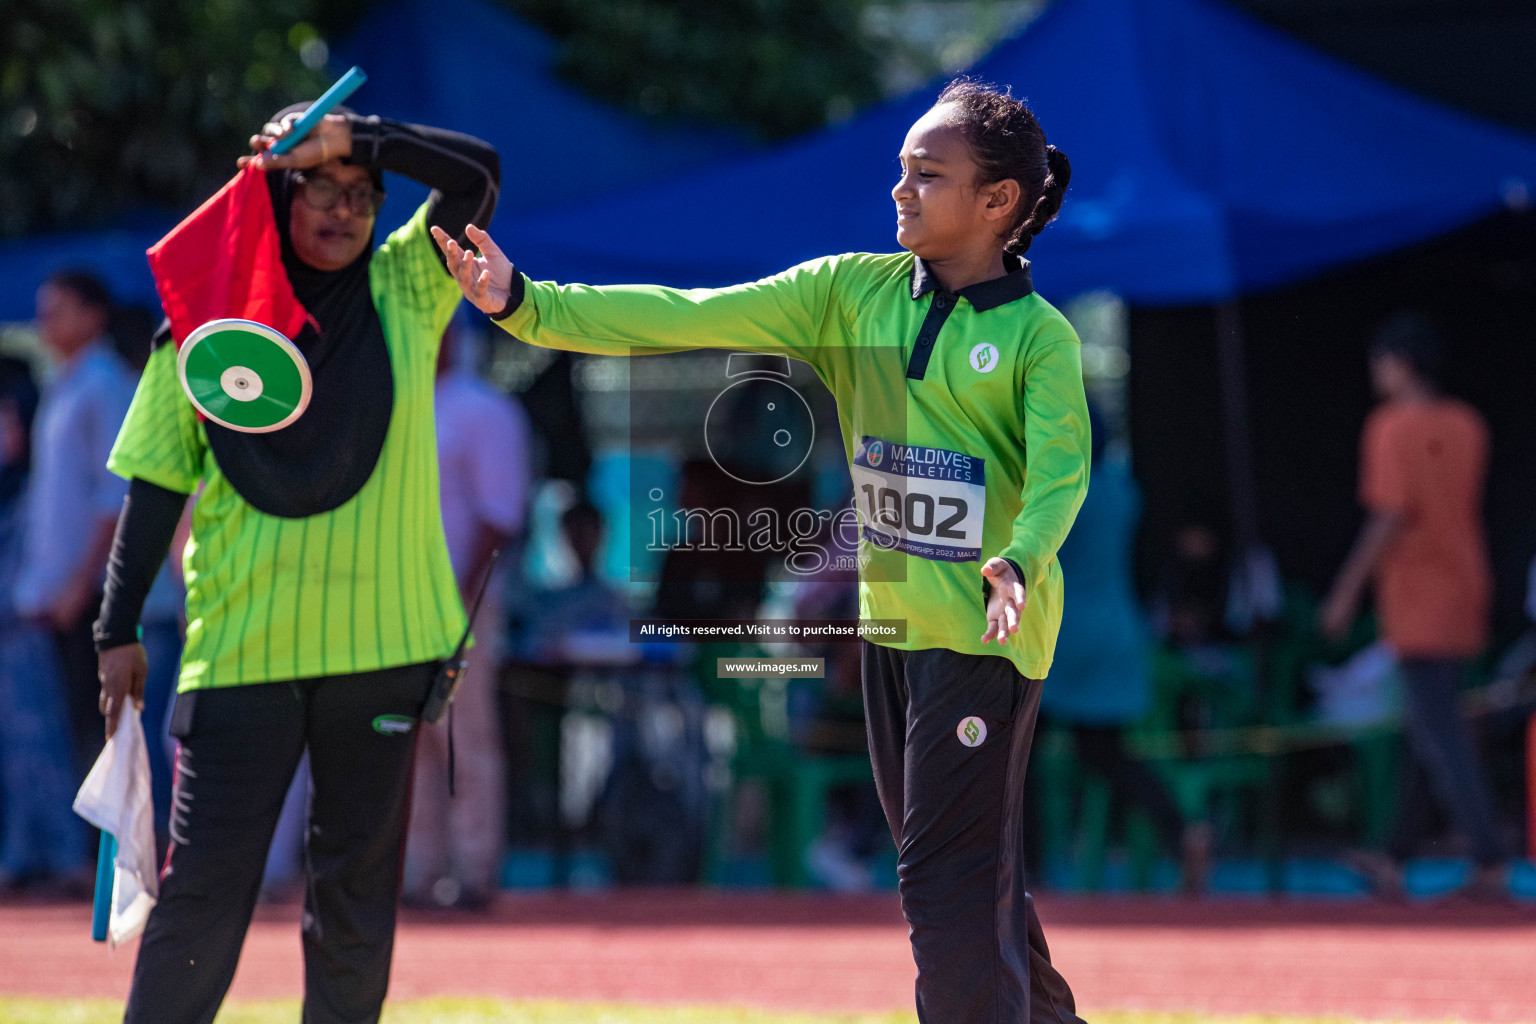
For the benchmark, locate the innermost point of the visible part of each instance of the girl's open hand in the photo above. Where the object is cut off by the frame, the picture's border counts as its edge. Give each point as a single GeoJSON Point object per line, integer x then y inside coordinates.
{"type": "Point", "coordinates": [486, 279]}
{"type": "Point", "coordinates": [1006, 604]}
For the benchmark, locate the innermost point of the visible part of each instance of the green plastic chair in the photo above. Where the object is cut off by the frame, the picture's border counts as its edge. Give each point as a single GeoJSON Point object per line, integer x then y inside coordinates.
{"type": "Point", "coordinates": [1076, 817]}
{"type": "Point", "coordinates": [1374, 751]}
{"type": "Point", "coordinates": [796, 782]}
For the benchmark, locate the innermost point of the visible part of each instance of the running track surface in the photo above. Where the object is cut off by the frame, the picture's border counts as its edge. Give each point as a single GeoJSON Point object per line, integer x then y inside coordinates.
{"type": "Point", "coordinates": [1224, 957]}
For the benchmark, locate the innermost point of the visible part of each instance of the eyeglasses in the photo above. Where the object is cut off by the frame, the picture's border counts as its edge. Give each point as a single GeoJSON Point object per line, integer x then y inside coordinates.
{"type": "Point", "coordinates": [322, 193]}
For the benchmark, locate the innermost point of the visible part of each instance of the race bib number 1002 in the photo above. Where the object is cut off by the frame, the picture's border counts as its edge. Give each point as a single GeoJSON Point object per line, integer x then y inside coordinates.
{"type": "Point", "coordinates": [928, 502]}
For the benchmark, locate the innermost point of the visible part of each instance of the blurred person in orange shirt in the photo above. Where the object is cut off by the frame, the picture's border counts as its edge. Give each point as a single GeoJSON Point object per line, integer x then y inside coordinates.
{"type": "Point", "coordinates": [1423, 463]}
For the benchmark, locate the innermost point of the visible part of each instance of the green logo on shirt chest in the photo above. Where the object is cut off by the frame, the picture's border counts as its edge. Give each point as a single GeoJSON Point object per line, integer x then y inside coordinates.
{"type": "Point", "coordinates": [984, 357]}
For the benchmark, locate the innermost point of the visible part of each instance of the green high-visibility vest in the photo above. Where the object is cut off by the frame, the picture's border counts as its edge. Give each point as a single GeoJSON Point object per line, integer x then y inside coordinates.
{"type": "Point", "coordinates": [365, 586]}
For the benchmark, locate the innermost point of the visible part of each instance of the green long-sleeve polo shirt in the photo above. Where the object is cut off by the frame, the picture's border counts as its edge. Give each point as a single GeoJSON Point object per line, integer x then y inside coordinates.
{"type": "Point", "coordinates": [963, 418]}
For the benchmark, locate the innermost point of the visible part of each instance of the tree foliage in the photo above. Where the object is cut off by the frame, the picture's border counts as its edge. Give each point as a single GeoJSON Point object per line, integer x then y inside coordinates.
{"type": "Point", "coordinates": [776, 67]}
{"type": "Point", "coordinates": [105, 105]}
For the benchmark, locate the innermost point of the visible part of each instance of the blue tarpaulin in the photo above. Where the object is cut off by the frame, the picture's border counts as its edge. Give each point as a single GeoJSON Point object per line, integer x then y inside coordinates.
{"type": "Point", "coordinates": [1211, 156]}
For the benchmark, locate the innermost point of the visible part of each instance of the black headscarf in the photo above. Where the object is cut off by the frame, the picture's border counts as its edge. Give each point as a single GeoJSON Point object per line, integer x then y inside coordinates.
{"type": "Point", "coordinates": [322, 459]}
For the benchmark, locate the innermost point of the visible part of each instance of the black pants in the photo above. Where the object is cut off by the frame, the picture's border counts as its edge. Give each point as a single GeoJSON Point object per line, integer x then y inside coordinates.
{"type": "Point", "coordinates": [949, 736]}
{"type": "Point", "coordinates": [1441, 766]}
{"type": "Point", "coordinates": [239, 748]}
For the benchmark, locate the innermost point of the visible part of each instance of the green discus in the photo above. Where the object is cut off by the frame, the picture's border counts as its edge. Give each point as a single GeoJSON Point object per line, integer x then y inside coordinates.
{"type": "Point", "coordinates": [244, 375]}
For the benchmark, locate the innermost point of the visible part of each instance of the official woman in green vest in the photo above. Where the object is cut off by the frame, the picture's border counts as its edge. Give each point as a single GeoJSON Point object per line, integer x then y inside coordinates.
{"type": "Point", "coordinates": [320, 598]}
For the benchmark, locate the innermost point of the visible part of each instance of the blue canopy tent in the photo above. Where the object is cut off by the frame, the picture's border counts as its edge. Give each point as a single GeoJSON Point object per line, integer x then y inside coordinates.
{"type": "Point", "coordinates": [1211, 156]}
{"type": "Point", "coordinates": [1314, 162]}
{"type": "Point", "coordinates": [467, 65]}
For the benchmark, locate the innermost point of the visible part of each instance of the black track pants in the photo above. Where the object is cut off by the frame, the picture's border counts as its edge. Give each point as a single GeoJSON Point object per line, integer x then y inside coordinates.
{"type": "Point", "coordinates": [239, 748]}
{"type": "Point", "coordinates": [949, 735]}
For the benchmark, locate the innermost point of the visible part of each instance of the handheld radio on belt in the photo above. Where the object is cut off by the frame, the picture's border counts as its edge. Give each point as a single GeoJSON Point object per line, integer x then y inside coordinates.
{"type": "Point", "coordinates": [451, 672]}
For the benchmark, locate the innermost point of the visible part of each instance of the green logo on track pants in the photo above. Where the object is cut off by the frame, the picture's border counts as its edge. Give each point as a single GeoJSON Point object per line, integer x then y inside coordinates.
{"type": "Point", "coordinates": [393, 725]}
{"type": "Point", "coordinates": [972, 731]}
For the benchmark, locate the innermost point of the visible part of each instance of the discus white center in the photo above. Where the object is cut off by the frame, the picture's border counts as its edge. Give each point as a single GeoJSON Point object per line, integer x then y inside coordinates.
{"type": "Point", "coordinates": [241, 383]}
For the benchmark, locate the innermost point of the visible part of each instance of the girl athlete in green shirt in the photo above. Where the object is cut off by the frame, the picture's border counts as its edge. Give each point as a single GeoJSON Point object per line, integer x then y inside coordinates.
{"type": "Point", "coordinates": [960, 398]}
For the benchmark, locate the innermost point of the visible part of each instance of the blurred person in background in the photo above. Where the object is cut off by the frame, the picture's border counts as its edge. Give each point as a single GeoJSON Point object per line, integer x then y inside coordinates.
{"type": "Point", "coordinates": [1191, 590]}
{"type": "Point", "coordinates": [1518, 662]}
{"type": "Point", "coordinates": [18, 407]}
{"type": "Point", "coordinates": [42, 843]}
{"type": "Point", "coordinates": [585, 620]}
{"type": "Point", "coordinates": [453, 853]}
{"type": "Point", "coordinates": [1100, 681]}
{"type": "Point", "coordinates": [1423, 463]}
{"type": "Point", "coordinates": [556, 631]}
{"type": "Point", "coordinates": [644, 804]}
{"type": "Point", "coordinates": [72, 501]}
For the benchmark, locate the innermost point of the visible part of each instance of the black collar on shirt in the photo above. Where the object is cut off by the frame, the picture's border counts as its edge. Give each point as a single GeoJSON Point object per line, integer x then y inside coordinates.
{"type": "Point", "coordinates": [984, 295]}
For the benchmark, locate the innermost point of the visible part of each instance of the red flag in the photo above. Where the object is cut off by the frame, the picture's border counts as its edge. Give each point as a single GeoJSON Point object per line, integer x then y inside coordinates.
{"type": "Point", "coordinates": [225, 260]}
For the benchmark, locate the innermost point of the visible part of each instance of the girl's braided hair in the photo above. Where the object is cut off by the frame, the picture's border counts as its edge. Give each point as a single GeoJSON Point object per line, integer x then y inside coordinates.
{"type": "Point", "coordinates": [1007, 142]}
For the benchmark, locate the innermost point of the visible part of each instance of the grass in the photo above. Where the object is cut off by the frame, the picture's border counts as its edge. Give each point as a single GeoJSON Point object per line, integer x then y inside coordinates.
{"type": "Point", "coordinates": [487, 1011]}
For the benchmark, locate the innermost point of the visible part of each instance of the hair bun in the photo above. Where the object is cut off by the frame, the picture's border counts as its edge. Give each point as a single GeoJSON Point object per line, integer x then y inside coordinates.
{"type": "Point", "coordinates": [1061, 168]}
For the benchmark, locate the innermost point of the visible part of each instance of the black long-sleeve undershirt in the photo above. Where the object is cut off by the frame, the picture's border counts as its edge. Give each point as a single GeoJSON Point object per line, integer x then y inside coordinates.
{"type": "Point", "coordinates": [463, 172]}
{"type": "Point", "coordinates": [145, 528]}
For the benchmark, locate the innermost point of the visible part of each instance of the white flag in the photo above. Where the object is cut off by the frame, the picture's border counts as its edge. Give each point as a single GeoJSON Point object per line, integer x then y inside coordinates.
{"type": "Point", "coordinates": [116, 798]}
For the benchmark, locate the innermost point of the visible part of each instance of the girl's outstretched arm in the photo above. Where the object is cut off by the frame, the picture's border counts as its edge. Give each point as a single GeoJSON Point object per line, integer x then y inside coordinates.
{"type": "Point", "coordinates": [786, 314]}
